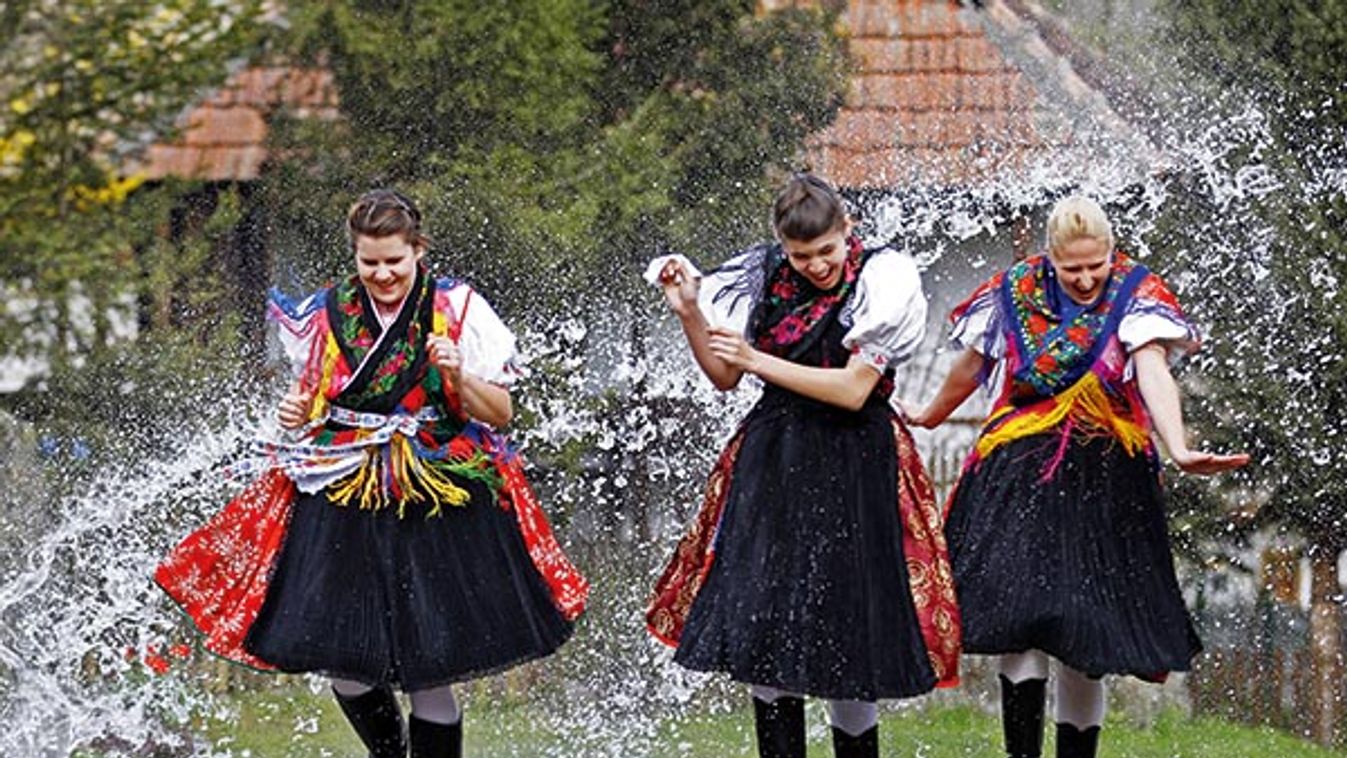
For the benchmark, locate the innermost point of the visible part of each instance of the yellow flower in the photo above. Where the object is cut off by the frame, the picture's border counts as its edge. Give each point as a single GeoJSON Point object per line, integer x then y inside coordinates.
{"type": "Point", "coordinates": [20, 105]}
{"type": "Point", "coordinates": [167, 16]}
{"type": "Point", "coordinates": [114, 192]}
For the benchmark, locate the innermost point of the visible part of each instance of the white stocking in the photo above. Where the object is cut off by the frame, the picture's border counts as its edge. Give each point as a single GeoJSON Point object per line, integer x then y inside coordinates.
{"type": "Point", "coordinates": [855, 717]}
{"type": "Point", "coordinates": [769, 695]}
{"type": "Point", "coordinates": [349, 689]}
{"type": "Point", "coordinates": [1080, 699]}
{"type": "Point", "coordinates": [1019, 667]}
{"type": "Point", "coordinates": [436, 705]}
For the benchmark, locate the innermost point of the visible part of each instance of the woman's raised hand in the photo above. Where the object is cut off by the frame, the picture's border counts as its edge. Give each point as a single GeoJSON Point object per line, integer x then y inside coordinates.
{"type": "Point", "coordinates": [444, 354]}
{"type": "Point", "coordinates": [1198, 462]}
{"type": "Point", "coordinates": [293, 410]}
{"type": "Point", "coordinates": [680, 287]}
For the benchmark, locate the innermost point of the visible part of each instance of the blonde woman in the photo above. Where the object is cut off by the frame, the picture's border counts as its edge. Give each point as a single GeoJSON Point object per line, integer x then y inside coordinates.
{"type": "Point", "coordinates": [1057, 529]}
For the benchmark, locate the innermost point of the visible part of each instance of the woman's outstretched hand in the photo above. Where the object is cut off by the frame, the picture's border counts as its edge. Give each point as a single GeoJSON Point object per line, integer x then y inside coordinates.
{"type": "Point", "coordinates": [731, 347]}
{"type": "Point", "coordinates": [680, 287]}
{"type": "Point", "coordinates": [1198, 462]}
{"type": "Point", "coordinates": [293, 410]}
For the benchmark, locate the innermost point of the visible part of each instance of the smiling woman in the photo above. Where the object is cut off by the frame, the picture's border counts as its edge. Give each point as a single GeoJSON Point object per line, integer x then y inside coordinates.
{"type": "Point", "coordinates": [1080, 248]}
{"type": "Point", "coordinates": [1056, 528]}
{"type": "Point", "coordinates": [813, 229]}
{"type": "Point", "coordinates": [813, 567]}
{"type": "Point", "coordinates": [386, 266]}
{"type": "Point", "coordinates": [385, 233]}
{"type": "Point", "coordinates": [390, 538]}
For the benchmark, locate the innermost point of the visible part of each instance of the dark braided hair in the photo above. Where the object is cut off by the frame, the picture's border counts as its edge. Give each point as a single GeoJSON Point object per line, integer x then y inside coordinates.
{"type": "Point", "coordinates": [384, 213]}
{"type": "Point", "coordinates": [806, 208]}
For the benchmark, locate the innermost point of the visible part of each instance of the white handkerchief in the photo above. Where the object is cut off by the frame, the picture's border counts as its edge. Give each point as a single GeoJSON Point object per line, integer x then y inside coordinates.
{"type": "Point", "coordinates": [651, 274]}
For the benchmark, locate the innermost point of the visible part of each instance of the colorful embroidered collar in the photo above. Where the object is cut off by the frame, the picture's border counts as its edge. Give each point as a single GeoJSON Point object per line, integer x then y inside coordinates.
{"type": "Point", "coordinates": [1058, 339]}
{"type": "Point", "coordinates": [385, 365]}
{"type": "Point", "coordinates": [792, 313]}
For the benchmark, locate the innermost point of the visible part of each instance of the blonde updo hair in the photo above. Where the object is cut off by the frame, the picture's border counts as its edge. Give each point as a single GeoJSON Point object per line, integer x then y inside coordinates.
{"type": "Point", "coordinates": [1074, 218]}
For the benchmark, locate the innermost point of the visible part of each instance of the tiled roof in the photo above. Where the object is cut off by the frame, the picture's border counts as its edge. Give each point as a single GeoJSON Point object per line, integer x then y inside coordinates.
{"type": "Point", "coordinates": [933, 101]}
{"type": "Point", "coordinates": [224, 137]}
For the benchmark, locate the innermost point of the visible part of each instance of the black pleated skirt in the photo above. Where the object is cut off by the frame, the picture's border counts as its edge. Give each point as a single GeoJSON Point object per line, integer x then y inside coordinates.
{"type": "Point", "coordinates": [414, 602]}
{"type": "Point", "coordinates": [1078, 566]}
{"type": "Point", "coordinates": [809, 589]}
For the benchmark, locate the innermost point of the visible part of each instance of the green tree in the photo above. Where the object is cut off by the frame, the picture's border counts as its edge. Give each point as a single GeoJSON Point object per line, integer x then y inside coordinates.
{"type": "Point", "coordinates": [1275, 382]}
{"type": "Point", "coordinates": [81, 84]}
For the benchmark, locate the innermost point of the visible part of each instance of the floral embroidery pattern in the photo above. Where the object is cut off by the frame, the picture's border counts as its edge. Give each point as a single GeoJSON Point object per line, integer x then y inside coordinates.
{"type": "Point", "coordinates": [357, 338]}
{"type": "Point", "coordinates": [792, 308]}
{"type": "Point", "coordinates": [1057, 337]}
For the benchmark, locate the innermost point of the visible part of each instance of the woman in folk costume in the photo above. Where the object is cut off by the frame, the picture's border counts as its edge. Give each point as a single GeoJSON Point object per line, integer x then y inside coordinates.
{"type": "Point", "coordinates": [1057, 526]}
{"type": "Point", "coordinates": [396, 543]}
{"type": "Point", "coordinates": [816, 565]}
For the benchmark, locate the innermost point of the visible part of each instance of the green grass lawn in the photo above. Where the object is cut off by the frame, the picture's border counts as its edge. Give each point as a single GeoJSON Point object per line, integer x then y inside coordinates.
{"type": "Point", "coordinates": [302, 725]}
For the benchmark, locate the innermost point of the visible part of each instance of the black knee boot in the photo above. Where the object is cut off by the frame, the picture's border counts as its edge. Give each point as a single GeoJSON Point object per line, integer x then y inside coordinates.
{"type": "Point", "coordinates": [432, 740]}
{"type": "Point", "coordinates": [377, 719]}
{"type": "Point", "coordinates": [864, 745]}
{"type": "Point", "coordinates": [780, 727]}
{"type": "Point", "coordinates": [1022, 716]}
{"type": "Point", "coordinates": [1077, 743]}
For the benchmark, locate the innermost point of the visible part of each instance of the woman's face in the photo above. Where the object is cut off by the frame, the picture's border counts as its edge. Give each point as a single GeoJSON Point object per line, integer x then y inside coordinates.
{"type": "Point", "coordinates": [387, 267]}
{"type": "Point", "coordinates": [820, 259]}
{"type": "Point", "coordinates": [1082, 267]}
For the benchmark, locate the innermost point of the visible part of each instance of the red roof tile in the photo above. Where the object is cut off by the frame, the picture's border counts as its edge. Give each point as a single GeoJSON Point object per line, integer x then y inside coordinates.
{"type": "Point", "coordinates": [236, 125]}
{"type": "Point", "coordinates": [932, 101]}
{"type": "Point", "coordinates": [224, 137]}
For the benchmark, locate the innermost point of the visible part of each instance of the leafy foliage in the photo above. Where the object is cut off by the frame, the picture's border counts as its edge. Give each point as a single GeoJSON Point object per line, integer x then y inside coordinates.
{"type": "Point", "coordinates": [1275, 380]}
{"type": "Point", "coordinates": [554, 143]}
{"type": "Point", "coordinates": [81, 84]}
{"type": "Point", "coordinates": [1292, 48]}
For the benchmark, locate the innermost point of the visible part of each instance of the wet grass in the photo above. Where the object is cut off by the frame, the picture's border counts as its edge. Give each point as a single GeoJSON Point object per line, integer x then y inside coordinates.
{"type": "Point", "coordinates": [299, 724]}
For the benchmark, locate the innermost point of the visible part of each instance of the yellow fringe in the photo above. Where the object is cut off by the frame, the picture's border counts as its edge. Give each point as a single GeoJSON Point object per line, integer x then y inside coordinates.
{"type": "Point", "coordinates": [413, 475]}
{"type": "Point", "coordinates": [401, 453]}
{"type": "Point", "coordinates": [407, 469]}
{"type": "Point", "coordinates": [363, 483]}
{"type": "Point", "coordinates": [442, 489]}
{"type": "Point", "coordinates": [439, 322]}
{"type": "Point", "coordinates": [1085, 402]}
{"type": "Point", "coordinates": [331, 352]}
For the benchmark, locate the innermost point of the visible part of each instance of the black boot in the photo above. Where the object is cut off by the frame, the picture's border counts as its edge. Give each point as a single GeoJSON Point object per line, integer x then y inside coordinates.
{"type": "Point", "coordinates": [1022, 716]}
{"type": "Point", "coordinates": [432, 740]}
{"type": "Point", "coordinates": [864, 745]}
{"type": "Point", "coordinates": [780, 727]}
{"type": "Point", "coordinates": [1077, 743]}
{"type": "Point", "coordinates": [377, 719]}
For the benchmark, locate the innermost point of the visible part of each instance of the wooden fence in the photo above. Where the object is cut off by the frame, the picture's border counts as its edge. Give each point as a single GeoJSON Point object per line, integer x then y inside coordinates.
{"type": "Point", "coordinates": [1261, 688]}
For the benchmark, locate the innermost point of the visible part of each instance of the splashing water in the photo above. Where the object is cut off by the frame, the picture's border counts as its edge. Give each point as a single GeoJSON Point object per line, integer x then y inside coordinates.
{"type": "Point", "coordinates": [77, 596]}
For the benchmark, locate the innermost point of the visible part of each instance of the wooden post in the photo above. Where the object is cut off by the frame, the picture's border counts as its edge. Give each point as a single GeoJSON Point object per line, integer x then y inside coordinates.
{"type": "Point", "coordinates": [1325, 642]}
